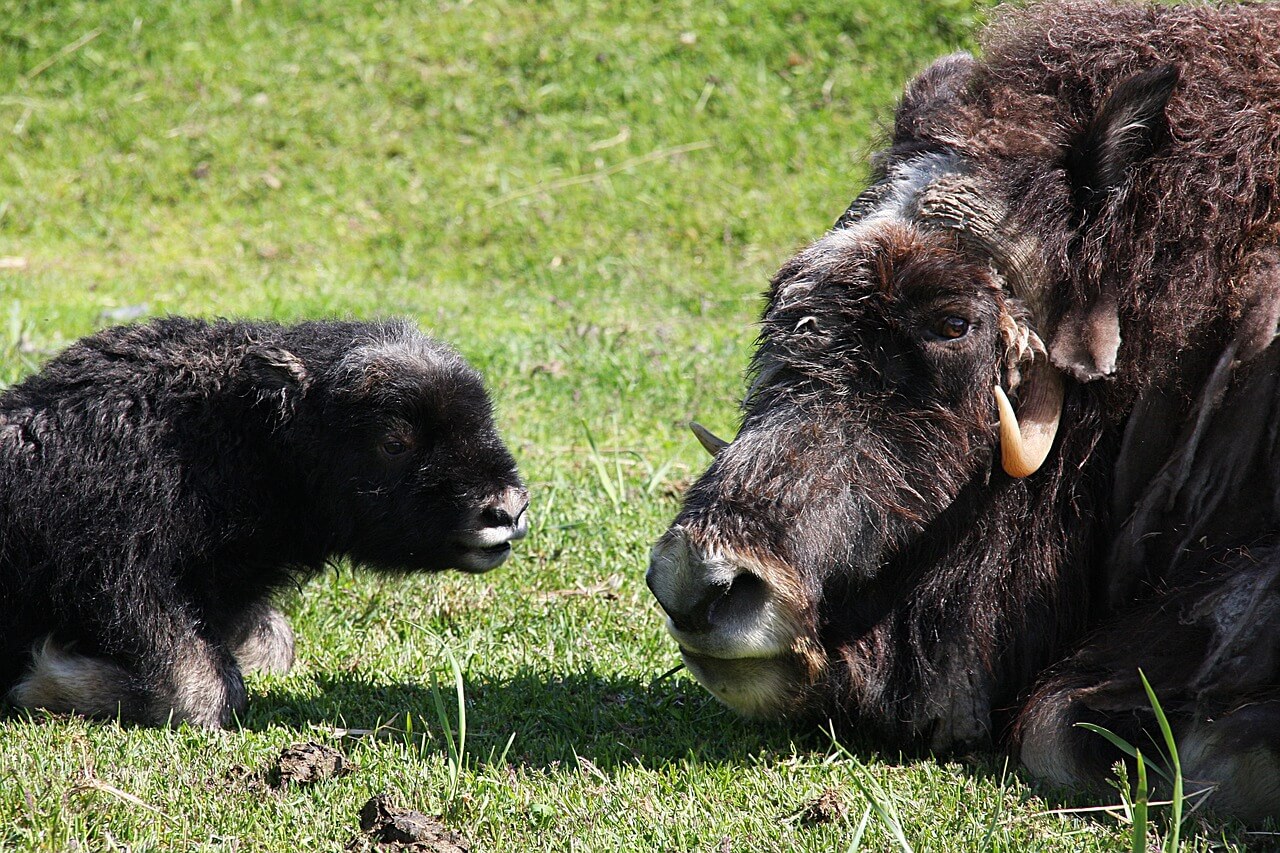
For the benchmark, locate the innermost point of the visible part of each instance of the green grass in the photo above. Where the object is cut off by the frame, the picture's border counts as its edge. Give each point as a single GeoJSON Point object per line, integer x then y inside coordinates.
{"type": "Point", "coordinates": [587, 199]}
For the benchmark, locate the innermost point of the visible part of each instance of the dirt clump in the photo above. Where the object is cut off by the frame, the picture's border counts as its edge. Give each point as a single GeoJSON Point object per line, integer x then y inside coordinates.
{"type": "Point", "coordinates": [390, 827]}
{"type": "Point", "coordinates": [826, 808]}
{"type": "Point", "coordinates": [307, 763]}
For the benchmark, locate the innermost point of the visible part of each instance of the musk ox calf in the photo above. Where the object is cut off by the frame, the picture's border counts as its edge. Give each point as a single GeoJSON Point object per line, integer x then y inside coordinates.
{"type": "Point", "coordinates": [159, 482]}
{"type": "Point", "coordinates": [1014, 426]}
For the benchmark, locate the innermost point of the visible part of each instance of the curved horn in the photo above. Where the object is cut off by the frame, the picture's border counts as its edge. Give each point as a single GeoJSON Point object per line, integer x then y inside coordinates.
{"type": "Point", "coordinates": [710, 442]}
{"type": "Point", "coordinates": [1025, 441]}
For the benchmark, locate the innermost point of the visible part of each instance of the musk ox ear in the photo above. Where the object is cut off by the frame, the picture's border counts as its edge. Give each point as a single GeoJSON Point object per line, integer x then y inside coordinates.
{"type": "Point", "coordinates": [277, 379]}
{"type": "Point", "coordinates": [1129, 126]}
{"type": "Point", "coordinates": [931, 93]}
{"type": "Point", "coordinates": [1087, 341]}
{"type": "Point", "coordinates": [19, 431]}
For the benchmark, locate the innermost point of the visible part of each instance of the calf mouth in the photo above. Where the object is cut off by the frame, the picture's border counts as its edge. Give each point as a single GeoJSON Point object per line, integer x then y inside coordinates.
{"type": "Point", "coordinates": [485, 549]}
{"type": "Point", "coordinates": [478, 560]}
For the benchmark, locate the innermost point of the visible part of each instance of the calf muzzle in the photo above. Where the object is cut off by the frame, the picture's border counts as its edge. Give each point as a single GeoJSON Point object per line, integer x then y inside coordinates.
{"type": "Point", "coordinates": [504, 519]}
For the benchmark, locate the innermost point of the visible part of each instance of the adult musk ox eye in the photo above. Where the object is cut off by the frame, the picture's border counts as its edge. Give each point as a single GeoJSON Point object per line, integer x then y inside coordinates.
{"type": "Point", "coordinates": [950, 328]}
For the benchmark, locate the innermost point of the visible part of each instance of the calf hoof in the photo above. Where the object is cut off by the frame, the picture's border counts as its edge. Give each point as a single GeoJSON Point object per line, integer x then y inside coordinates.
{"type": "Point", "coordinates": [203, 687]}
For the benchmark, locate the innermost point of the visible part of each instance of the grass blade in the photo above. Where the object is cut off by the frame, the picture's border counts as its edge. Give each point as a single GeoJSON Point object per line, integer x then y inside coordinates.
{"type": "Point", "coordinates": [1123, 745]}
{"type": "Point", "coordinates": [1175, 831]}
{"type": "Point", "coordinates": [611, 489]}
{"type": "Point", "coordinates": [877, 798]}
{"type": "Point", "coordinates": [455, 739]}
{"type": "Point", "coordinates": [881, 802]}
{"type": "Point", "coordinates": [1173, 775]}
{"type": "Point", "coordinates": [656, 477]}
{"type": "Point", "coordinates": [995, 818]}
{"type": "Point", "coordinates": [855, 844]}
{"type": "Point", "coordinates": [502, 759]}
{"type": "Point", "coordinates": [446, 726]}
{"type": "Point", "coordinates": [1138, 843]}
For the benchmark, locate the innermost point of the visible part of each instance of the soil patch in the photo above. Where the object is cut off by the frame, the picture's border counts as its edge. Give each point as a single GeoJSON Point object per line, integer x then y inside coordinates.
{"type": "Point", "coordinates": [307, 763]}
{"type": "Point", "coordinates": [391, 827]}
{"type": "Point", "coordinates": [827, 808]}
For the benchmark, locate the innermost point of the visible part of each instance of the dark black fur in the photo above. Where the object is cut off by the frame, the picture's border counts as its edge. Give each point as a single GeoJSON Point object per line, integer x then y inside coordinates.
{"type": "Point", "coordinates": [160, 482]}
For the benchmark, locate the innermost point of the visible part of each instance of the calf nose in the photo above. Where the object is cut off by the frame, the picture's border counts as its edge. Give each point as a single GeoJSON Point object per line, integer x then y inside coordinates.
{"type": "Point", "coordinates": [508, 509]}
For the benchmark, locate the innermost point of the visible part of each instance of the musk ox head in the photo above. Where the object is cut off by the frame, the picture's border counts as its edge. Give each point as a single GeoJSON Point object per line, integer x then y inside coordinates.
{"type": "Point", "coordinates": [872, 406]}
{"type": "Point", "coordinates": [396, 438]}
{"type": "Point", "coordinates": [903, 359]}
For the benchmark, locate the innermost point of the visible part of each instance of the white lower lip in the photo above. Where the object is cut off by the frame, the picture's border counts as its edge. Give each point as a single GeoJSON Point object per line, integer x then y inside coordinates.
{"type": "Point", "coordinates": [755, 687]}
{"type": "Point", "coordinates": [490, 537]}
{"type": "Point", "coordinates": [482, 560]}
{"type": "Point", "coordinates": [760, 640]}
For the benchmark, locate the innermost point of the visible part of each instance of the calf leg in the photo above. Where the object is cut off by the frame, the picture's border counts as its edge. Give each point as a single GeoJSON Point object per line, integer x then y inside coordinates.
{"type": "Point", "coordinates": [190, 679]}
{"type": "Point", "coordinates": [262, 641]}
{"type": "Point", "coordinates": [203, 686]}
{"type": "Point", "coordinates": [58, 680]}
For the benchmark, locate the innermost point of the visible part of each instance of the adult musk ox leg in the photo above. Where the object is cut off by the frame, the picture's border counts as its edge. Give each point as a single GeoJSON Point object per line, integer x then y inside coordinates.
{"type": "Point", "coordinates": [1210, 654]}
{"type": "Point", "coordinates": [1239, 754]}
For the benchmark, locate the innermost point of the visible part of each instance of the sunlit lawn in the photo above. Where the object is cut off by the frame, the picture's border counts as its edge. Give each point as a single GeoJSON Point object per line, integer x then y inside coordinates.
{"type": "Point", "coordinates": [587, 199]}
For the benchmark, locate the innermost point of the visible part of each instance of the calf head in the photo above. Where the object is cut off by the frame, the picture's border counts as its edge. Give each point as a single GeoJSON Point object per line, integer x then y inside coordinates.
{"type": "Point", "coordinates": [404, 457]}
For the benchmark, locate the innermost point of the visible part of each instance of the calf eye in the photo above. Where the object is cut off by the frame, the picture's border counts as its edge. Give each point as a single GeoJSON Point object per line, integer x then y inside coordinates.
{"type": "Point", "coordinates": [950, 327]}
{"type": "Point", "coordinates": [394, 447]}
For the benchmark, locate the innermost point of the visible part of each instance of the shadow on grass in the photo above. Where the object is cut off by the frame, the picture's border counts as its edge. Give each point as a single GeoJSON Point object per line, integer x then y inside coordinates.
{"type": "Point", "coordinates": [610, 720]}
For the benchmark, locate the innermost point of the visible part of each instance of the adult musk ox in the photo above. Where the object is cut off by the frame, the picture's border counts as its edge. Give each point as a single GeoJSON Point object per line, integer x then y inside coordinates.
{"type": "Point", "coordinates": [1014, 421]}
{"type": "Point", "coordinates": [159, 482]}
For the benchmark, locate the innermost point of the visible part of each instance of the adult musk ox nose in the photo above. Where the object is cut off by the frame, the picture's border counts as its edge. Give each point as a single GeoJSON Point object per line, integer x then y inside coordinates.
{"type": "Point", "coordinates": [715, 604]}
{"type": "Point", "coordinates": [708, 604]}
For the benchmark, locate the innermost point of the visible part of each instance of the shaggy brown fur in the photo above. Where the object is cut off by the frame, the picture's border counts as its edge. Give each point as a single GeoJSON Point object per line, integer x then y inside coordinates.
{"type": "Point", "coordinates": [1100, 190]}
{"type": "Point", "coordinates": [1170, 245]}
